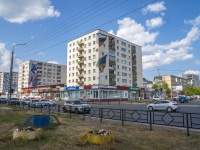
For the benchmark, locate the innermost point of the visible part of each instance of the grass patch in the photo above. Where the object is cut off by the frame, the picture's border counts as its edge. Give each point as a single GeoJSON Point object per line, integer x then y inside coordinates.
{"type": "Point", "coordinates": [66, 135]}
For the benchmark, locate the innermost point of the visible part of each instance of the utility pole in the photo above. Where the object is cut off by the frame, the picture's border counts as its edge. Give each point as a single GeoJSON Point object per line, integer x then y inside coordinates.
{"type": "Point", "coordinates": [161, 89]}
{"type": "Point", "coordinates": [11, 71]}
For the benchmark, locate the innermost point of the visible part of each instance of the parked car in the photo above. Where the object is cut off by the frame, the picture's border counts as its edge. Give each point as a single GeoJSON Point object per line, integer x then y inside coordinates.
{"type": "Point", "coordinates": [168, 105]}
{"type": "Point", "coordinates": [26, 102]}
{"type": "Point", "coordinates": [157, 98]}
{"type": "Point", "coordinates": [3, 100]}
{"type": "Point", "coordinates": [36, 103]}
{"type": "Point", "coordinates": [47, 102]}
{"type": "Point", "coordinates": [183, 99]}
{"type": "Point", "coordinates": [76, 106]}
{"type": "Point", "coordinates": [14, 101]}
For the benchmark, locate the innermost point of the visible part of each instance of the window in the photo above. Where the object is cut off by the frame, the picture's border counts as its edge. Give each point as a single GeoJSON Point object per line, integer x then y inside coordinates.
{"type": "Point", "coordinates": [123, 56]}
{"type": "Point", "coordinates": [123, 61]}
{"type": "Point", "coordinates": [89, 64]}
{"type": "Point", "coordinates": [89, 37]}
{"type": "Point", "coordinates": [89, 58]}
{"type": "Point", "coordinates": [124, 74]}
{"type": "Point", "coordinates": [124, 80]}
{"type": "Point", "coordinates": [94, 70]}
{"type": "Point", "coordinates": [89, 78]}
{"type": "Point", "coordinates": [124, 68]}
{"type": "Point", "coordinates": [94, 56]}
{"type": "Point", "coordinates": [93, 77]}
{"type": "Point", "coordinates": [89, 71]}
{"type": "Point", "coordinates": [89, 44]}
{"type": "Point", "coordinates": [117, 60]}
{"type": "Point", "coordinates": [93, 42]}
{"type": "Point", "coordinates": [94, 63]}
{"type": "Point", "coordinates": [93, 35]}
{"type": "Point", "coordinates": [123, 43]}
{"type": "Point", "coordinates": [117, 47]}
{"type": "Point", "coordinates": [89, 51]}
{"type": "Point", "coordinates": [123, 50]}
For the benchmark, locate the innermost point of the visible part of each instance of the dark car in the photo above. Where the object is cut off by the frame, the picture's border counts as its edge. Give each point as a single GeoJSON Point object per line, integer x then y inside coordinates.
{"type": "Point", "coordinates": [76, 106]}
{"type": "Point", "coordinates": [3, 100]}
{"type": "Point", "coordinates": [183, 99]}
{"type": "Point", "coordinates": [14, 101]}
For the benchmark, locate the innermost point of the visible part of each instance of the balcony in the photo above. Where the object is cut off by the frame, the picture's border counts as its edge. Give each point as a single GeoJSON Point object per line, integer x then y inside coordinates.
{"type": "Point", "coordinates": [80, 56]}
{"type": "Point", "coordinates": [80, 69]}
{"type": "Point", "coordinates": [80, 76]}
{"type": "Point", "coordinates": [80, 43]}
{"type": "Point", "coordinates": [80, 62]}
{"type": "Point", "coordinates": [80, 83]}
{"type": "Point", "coordinates": [80, 49]}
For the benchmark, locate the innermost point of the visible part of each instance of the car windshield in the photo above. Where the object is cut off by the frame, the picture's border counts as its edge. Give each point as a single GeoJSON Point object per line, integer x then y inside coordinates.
{"type": "Point", "coordinates": [78, 102]}
{"type": "Point", "coordinates": [36, 100]}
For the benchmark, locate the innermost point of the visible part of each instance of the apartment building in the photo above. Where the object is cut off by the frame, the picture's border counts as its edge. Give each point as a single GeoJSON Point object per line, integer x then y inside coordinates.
{"type": "Point", "coordinates": [193, 79]}
{"type": "Point", "coordinates": [176, 84]}
{"type": "Point", "coordinates": [34, 74]}
{"type": "Point", "coordinates": [102, 59]}
{"type": "Point", "coordinates": [5, 82]}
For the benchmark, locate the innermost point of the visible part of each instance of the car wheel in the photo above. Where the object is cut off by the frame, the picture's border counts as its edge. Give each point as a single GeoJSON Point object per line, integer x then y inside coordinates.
{"type": "Point", "coordinates": [76, 110]}
{"type": "Point", "coordinates": [150, 108]}
{"type": "Point", "coordinates": [169, 109]}
{"type": "Point", "coordinates": [64, 109]}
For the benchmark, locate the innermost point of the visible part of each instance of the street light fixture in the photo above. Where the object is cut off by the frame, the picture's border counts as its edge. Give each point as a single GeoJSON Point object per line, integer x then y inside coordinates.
{"type": "Point", "coordinates": [11, 70]}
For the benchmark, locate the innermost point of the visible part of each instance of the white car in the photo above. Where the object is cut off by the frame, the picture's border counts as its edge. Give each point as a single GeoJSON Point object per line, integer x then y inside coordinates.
{"type": "Point", "coordinates": [168, 105]}
{"type": "Point", "coordinates": [157, 98]}
{"type": "Point", "coordinates": [47, 102]}
{"type": "Point", "coordinates": [76, 106]}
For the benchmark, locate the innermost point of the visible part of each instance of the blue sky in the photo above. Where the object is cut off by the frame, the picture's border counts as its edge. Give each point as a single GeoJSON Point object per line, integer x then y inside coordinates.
{"type": "Point", "coordinates": [167, 30]}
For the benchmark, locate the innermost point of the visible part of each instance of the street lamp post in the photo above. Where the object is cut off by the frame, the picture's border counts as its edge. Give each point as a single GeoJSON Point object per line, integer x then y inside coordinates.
{"type": "Point", "coordinates": [11, 70]}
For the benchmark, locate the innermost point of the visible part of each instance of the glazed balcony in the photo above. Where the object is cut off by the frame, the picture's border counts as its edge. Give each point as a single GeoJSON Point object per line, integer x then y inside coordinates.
{"type": "Point", "coordinates": [80, 69]}
{"type": "Point", "coordinates": [80, 62]}
{"type": "Point", "coordinates": [81, 76]}
{"type": "Point", "coordinates": [80, 56]}
{"type": "Point", "coordinates": [80, 49]}
{"type": "Point", "coordinates": [80, 43]}
{"type": "Point", "coordinates": [80, 83]}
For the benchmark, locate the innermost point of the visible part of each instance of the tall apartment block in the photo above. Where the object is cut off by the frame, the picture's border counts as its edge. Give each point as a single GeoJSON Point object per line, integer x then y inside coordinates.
{"type": "Point", "coordinates": [34, 73]}
{"type": "Point", "coordinates": [5, 82]}
{"type": "Point", "coordinates": [100, 58]}
{"type": "Point", "coordinates": [193, 79]}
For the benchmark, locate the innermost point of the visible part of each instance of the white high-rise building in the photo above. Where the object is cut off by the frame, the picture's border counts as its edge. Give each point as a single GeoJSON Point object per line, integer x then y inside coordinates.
{"type": "Point", "coordinates": [5, 81]}
{"type": "Point", "coordinates": [120, 61]}
{"type": "Point", "coordinates": [34, 73]}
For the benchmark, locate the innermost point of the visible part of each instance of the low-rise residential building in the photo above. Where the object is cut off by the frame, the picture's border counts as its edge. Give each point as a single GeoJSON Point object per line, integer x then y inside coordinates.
{"type": "Point", "coordinates": [176, 84]}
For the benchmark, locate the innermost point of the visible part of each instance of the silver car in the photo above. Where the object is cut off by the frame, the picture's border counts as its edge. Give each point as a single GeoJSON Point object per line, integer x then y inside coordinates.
{"type": "Point", "coordinates": [76, 106]}
{"type": "Point", "coordinates": [168, 105]}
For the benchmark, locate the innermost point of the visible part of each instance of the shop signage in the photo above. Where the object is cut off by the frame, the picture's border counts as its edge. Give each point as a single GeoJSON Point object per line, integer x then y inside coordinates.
{"type": "Point", "coordinates": [133, 88]}
{"type": "Point", "coordinates": [72, 88]}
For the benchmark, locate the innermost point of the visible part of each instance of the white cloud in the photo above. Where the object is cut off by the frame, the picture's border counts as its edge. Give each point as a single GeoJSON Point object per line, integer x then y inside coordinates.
{"type": "Point", "coordinates": [53, 62]}
{"type": "Point", "coordinates": [197, 61]}
{"type": "Point", "coordinates": [155, 55]}
{"type": "Point", "coordinates": [5, 57]}
{"type": "Point", "coordinates": [155, 22]}
{"type": "Point", "coordinates": [111, 32]}
{"type": "Point", "coordinates": [156, 8]}
{"type": "Point", "coordinates": [195, 22]}
{"type": "Point", "coordinates": [134, 32]}
{"type": "Point", "coordinates": [192, 72]}
{"type": "Point", "coordinates": [20, 11]}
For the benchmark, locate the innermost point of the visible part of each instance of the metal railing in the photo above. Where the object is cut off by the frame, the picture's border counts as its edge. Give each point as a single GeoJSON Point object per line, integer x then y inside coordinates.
{"type": "Point", "coordinates": [175, 119]}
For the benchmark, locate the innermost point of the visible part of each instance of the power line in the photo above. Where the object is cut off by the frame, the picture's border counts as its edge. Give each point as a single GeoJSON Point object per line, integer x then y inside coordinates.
{"type": "Point", "coordinates": [93, 28]}
{"type": "Point", "coordinates": [59, 33]}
